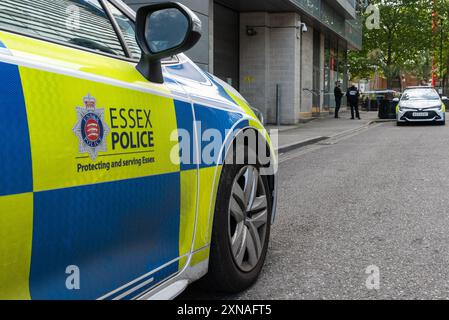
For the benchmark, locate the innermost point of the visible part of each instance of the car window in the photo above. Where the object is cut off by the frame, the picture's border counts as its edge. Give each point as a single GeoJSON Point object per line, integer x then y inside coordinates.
{"type": "Point", "coordinates": [77, 22]}
{"type": "Point", "coordinates": [420, 94]}
{"type": "Point", "coordinates": [127, 27]}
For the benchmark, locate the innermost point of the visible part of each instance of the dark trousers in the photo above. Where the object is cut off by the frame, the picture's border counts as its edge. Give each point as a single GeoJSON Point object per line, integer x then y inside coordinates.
{"type": "Point", "coordinates": [355, 107]}
{"type": "Point", "coordinates": [337, 107]}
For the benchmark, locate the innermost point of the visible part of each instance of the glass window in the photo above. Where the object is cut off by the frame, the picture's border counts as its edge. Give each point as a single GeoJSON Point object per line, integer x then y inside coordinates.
{"type": "Point", "coordinates": [78, 22]}
{"type": "Point", "coordinates": [327, 73]}
{"type": "Point", "coordinates": [127, 27]}
{"type": "Point", "coordinates": [342, 60]}
{"type": "Point", "coordinates": [420, 94]}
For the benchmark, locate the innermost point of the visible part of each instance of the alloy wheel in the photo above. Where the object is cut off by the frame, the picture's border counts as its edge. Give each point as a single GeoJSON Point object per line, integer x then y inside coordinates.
{"type": "Point", "coordinates": [248, 218]}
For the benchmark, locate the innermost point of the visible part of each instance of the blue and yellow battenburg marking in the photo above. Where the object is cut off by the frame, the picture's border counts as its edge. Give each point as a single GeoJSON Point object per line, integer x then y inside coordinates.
{"type": "Point", "coordinates": [95, 219]}
{"type": "Point", "coordinates": [16, 186]}
{"type": "Point", "coordinates": [83, 162]}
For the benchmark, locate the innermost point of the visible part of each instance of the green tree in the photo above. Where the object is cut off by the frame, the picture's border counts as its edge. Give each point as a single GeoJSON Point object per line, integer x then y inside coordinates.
{"type": "Point", "coordinates": [440, 40]}
{"type": "Point", "coordinates": [404, 36]}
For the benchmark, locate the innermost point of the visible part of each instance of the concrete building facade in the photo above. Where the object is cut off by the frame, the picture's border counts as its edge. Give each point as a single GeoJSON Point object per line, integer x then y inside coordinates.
{"type": "Point", "coordinates": [284, 56]}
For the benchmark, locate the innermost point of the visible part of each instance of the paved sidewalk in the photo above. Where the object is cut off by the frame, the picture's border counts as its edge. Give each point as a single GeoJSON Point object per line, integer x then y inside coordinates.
{"type": "Point", "coordinates": [297, 136]}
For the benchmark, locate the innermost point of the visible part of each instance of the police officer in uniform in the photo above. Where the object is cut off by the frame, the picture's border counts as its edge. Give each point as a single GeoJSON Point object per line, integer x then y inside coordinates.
{"type": "Point", "coordinates": [353, 95]}
{"type": "Point", "coordinates": [338, 96]}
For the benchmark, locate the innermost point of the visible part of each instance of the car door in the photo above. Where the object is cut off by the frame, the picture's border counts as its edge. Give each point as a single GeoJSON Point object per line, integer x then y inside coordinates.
{"type": "Point", "coordinates": [90, 192]}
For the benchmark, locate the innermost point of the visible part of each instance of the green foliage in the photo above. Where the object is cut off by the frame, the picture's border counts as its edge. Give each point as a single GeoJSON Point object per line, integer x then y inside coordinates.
{"type": "Point", "coordinates": [441, 44]}
{"type": "Point", "coordinates": [403, 43]}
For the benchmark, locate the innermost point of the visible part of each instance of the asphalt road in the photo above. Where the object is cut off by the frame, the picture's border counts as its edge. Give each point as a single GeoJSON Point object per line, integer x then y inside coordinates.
{"type": "Point", "coordinates": [377, 198]}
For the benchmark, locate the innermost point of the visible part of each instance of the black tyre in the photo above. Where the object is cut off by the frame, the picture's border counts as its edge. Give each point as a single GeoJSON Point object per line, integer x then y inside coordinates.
{"type": "Point", "coordinates": [241, 230]}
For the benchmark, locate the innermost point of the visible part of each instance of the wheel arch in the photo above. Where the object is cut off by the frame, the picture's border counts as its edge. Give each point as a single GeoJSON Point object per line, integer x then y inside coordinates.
{"type": "Point", "coordinates": [237, 141]}
{"type": "Point", "coordinates": [234, 141]}
{"type": "Point", "coordinates": [211, 177]}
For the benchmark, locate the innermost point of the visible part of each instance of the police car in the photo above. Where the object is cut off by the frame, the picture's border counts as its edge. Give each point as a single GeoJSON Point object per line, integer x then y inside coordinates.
{"type": "Point", "coordinates": [421, 104]}
{"type": "Point", "coordinates": [126, 171]}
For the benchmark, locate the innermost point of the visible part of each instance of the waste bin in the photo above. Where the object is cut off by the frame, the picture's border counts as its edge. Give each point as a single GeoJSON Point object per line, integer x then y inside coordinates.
{"type": "Point", "coordinates": [387, 109]}
{"type": "Point", "coordinates": [374, 101]}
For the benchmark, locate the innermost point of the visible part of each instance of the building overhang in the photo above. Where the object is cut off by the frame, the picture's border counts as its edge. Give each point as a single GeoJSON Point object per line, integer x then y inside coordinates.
{"type": "Point", "coordinates": [258, 5]}
{"type": "Point", "coordinates": [344, 7]}
{"type": "Point", "coordinates": [314, 12]}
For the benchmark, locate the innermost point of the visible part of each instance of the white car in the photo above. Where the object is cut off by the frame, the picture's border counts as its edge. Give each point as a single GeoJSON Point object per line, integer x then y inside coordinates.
{"type": "Point", "coordinates": [421, 104]}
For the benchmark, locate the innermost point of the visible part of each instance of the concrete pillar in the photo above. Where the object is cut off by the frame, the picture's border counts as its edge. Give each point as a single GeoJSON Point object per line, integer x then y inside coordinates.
{"type": "Point", "coordinates": [254, 62]}
{"type": "Point", "coordinates": [269, 58]}
{"type": "Point", "coordinates": [322, 62]}
{"type": "Point", "coordinates": [280, 53]}
{"type": "Point", "coordinates": [307, 73]}
{"type": "Point", "coordinates": [284, 65]}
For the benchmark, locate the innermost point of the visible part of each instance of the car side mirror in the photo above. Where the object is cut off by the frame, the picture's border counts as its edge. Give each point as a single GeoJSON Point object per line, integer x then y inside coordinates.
{"type": "Point", "coordinates": [164, 30]}
{"type": "Point", "coordinates": [396, 100]}
{"type": "Point", "coordinates": [444, 98]}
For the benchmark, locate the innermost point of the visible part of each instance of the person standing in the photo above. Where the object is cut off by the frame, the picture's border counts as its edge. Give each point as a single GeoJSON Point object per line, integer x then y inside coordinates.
{"type": "Point", "coordinates": [338, 96]}
{"type": "Point", "coordinates": [353, 95]}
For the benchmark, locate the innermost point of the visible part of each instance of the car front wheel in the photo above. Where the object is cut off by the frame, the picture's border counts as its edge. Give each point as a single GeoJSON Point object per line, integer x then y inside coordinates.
{"type": "Point", "coordinates": [241, 229]}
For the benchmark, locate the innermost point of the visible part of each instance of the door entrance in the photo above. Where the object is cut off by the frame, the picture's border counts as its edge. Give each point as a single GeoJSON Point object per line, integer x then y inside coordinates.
{"type": "Point", "coordinates": [227, 44]}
